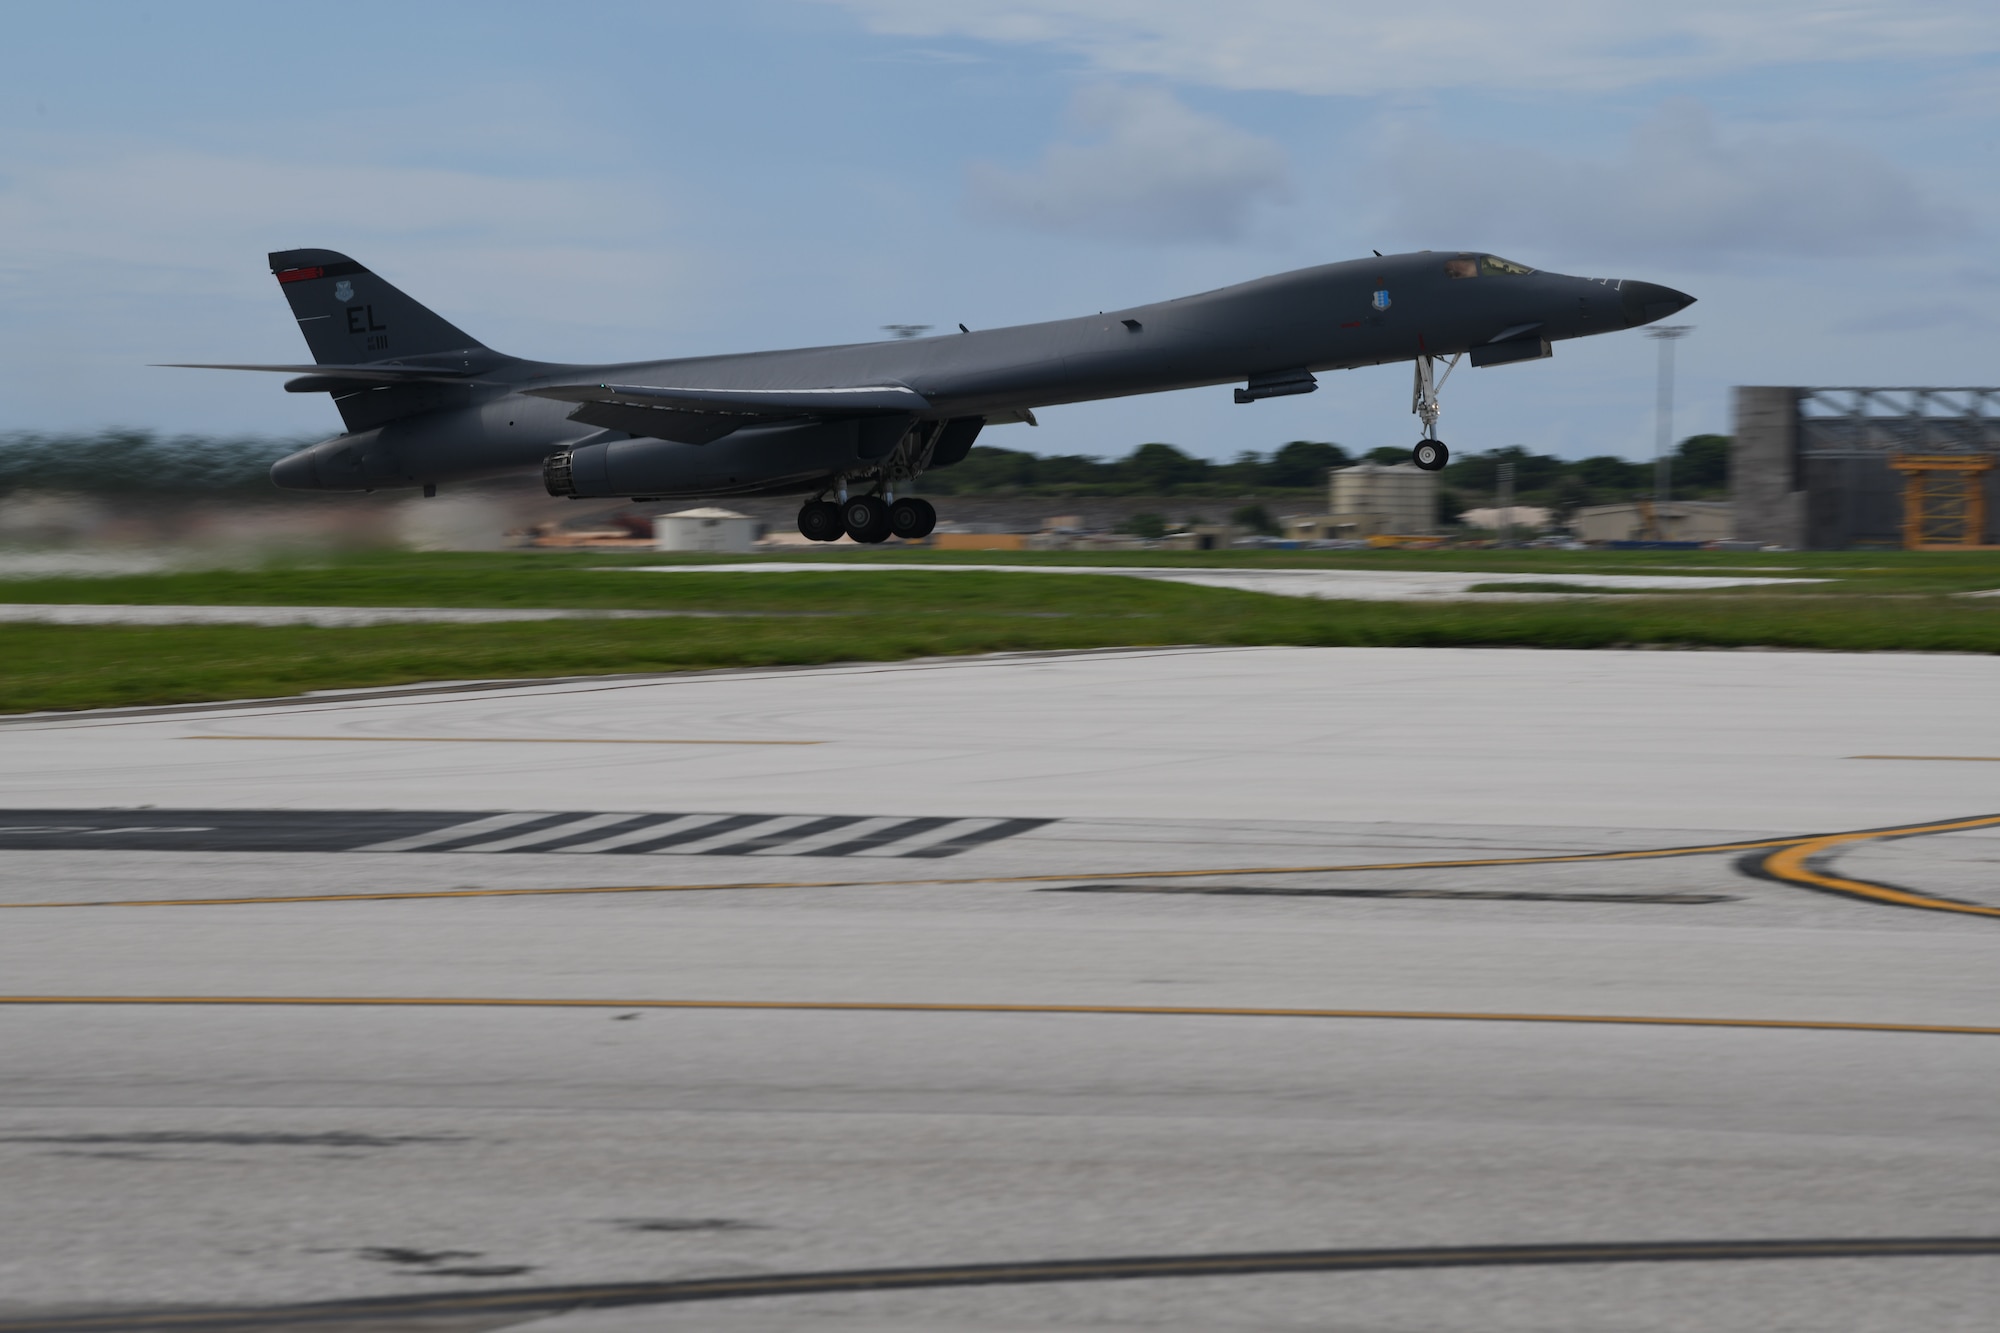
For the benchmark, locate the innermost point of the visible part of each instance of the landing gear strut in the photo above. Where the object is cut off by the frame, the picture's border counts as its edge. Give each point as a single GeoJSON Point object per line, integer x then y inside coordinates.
{"type": "Point", "coordinates": [883, 514]}
{"type": "Point", "coordinates": [1430, 453]}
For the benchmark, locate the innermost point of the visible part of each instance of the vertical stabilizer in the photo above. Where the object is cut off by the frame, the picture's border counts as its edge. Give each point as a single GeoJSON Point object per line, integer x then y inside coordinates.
{"type": "Point", "coordinates": [351, 317]}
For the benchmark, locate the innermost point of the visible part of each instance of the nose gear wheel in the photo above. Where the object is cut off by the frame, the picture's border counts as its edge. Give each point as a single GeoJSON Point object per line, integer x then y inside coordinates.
{"type": "Point", "coordinates": [1430, 453]}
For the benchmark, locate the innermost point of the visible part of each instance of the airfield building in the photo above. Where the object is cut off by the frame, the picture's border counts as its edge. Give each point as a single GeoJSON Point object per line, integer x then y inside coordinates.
{"type": "Point", "coordinates": [1372, 498]}
{"type": "Point", "coordinates": [1827, 469]}
{"type": "Point", "coordinates": [722, 530]}
{"type": "Point", "coordinates": [1641, 520]}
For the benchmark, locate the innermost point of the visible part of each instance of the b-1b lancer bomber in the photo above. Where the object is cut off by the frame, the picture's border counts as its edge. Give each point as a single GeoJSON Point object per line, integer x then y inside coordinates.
{"type": "Point", "coordinates": [852, 427]}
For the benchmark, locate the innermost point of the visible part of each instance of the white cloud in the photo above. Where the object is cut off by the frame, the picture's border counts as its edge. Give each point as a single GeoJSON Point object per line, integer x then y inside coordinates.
{"type": "Point", "coordinates": [1682, 188]}
{"type": "Point", "coordinates": [120, 254]}
{"type": "Point", "coordinates": [172, 221]}
{"type": "Point", "coordinates": [1365, 47]}
{"type": "Point", "coordinates": [1151, 169]}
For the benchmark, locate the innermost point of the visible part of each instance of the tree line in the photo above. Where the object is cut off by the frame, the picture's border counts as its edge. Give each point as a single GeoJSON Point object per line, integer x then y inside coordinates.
{"type": "Point", "coordinates": [1700, 468]}
{"type": "Point", "coordinates": [127, 461]}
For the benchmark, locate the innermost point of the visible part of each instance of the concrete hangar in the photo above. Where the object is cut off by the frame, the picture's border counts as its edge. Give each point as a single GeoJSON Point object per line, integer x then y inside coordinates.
{"type": "Point", "coordinates": [1827, 469]}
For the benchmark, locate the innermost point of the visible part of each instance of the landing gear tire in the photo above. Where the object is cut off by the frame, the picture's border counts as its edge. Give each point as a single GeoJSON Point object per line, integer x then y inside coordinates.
{"type": "Point", "coordinates": [866, 518]}
{"type": "Point", "coordinates": [1430, 455]}
{"type": "Point", "coordinates": [911, 518]}
{"type": "Point", "coordinates": [819, 521]}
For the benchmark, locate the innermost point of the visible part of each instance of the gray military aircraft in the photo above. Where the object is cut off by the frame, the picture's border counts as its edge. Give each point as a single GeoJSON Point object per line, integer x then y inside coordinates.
{"type": "Point", "coordinates": [426, 404]}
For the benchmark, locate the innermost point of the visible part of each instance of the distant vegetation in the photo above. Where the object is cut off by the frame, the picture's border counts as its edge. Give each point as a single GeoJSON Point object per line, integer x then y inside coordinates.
{"type": "Point", "coordinates": [1151, 469]}
{"type": "Point", "coordinates": [122, 462]}
{"type": "Point", "coordinates": [1700, 471]}
{"type": "Point", "coordinates": [125, 462]}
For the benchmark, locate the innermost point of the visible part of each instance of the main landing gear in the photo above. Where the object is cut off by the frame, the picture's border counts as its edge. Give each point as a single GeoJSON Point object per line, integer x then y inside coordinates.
{"type": "Point", "coordinates": [912, 518]}
{"type": "Point", "coordinates": [867, 518]}
{"type": "Point", "coordinates": [1430, 453]}
{"type": "Point", "coordinates": [819, 521]}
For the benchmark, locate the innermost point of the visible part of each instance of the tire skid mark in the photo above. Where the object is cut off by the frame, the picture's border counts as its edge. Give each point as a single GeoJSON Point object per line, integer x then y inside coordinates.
{"type": "Point", "coordinates": [948, 1007]}
{"type": "Point", "coordinates": [1786, 860]}
{"type": "Point", "coordinates": [610, 1295]}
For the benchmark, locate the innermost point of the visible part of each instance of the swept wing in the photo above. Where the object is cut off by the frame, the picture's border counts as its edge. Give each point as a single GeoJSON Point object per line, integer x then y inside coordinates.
{"type": "Point", "coordinates": [690, 415]}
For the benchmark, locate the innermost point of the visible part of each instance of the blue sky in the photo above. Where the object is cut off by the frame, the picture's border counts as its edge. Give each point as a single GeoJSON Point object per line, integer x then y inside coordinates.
{"type": "Point", "coordinates": [617, 181]}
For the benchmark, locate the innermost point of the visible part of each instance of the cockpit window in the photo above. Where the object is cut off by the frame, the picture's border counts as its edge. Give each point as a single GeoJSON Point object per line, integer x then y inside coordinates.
{"type": "Point", "coordinates": [1465, 266]}
{"type": "Point", "coordinates": [1493, 266]}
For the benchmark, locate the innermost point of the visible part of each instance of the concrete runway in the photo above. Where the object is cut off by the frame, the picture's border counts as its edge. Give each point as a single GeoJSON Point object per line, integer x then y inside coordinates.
{"type": "Point", "coordinates": [1206, 989]}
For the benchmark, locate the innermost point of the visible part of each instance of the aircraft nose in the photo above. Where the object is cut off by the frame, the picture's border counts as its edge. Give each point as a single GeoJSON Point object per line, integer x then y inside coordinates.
{"type": "Point", "coordinates": [295, 472]}
{"type": "Point", "coordinates": [1644, 302]}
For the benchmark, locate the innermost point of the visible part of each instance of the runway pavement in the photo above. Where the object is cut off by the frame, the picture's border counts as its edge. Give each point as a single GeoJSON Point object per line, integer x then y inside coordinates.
{"type": "Point", "coordinates": [1239, 989]}
{"type": "Point", "coordinates": [1368, 585]}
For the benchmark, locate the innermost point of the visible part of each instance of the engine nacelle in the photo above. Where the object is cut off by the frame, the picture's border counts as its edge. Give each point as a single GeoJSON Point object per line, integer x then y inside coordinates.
{"type": "Point", "coordinates": [796, 455]}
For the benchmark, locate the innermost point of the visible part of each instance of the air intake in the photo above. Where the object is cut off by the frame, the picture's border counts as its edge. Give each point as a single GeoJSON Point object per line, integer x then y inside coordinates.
{"type": "Point", "coordinates": [556, 475]}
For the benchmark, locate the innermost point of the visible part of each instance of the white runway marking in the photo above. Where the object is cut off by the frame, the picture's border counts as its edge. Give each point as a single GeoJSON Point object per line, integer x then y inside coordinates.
{"type": "Point", "coordinates": [454, 833]}
{"type": "Point", "coordinates": [566, 830]}
{"type": "Point", "coordinates": [1372, 585]}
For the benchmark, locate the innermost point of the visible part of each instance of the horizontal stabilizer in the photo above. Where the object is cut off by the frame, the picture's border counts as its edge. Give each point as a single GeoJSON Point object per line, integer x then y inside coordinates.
{"type": "Point", "coordinates": [861, 400]}
{"type": "Point", "coordinates": [376, 374]}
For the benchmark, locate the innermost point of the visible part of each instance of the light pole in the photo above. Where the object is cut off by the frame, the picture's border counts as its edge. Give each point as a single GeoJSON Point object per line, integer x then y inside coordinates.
{"type": "Point", "coordinates": [1663, 416]}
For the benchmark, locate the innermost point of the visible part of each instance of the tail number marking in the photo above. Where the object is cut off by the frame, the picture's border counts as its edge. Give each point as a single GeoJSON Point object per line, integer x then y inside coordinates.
{"type": "Point", "coordinates": [361, 319]}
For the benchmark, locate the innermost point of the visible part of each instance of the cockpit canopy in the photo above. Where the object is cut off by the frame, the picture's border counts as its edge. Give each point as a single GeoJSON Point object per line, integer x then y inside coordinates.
{"type": "Point", "coordinates": [1490, 266]}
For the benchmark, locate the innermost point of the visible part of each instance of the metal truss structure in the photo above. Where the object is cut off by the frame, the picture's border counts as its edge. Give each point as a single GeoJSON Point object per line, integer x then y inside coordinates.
{"type": "Point", "coordinates": [1862, 422]}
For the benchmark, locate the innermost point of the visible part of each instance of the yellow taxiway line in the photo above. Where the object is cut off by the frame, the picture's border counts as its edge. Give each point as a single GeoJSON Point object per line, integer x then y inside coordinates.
{"type": "Point", "coordinates": [924, 1007]}
{"type": "Point", "coordinates": [1787, 864]}
{"type": "Point", "coordinates": [1793, 865]}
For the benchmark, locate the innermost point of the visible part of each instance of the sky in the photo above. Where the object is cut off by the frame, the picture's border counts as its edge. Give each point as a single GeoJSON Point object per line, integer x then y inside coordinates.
{"type": "Point", "coordinates": [620, 181]}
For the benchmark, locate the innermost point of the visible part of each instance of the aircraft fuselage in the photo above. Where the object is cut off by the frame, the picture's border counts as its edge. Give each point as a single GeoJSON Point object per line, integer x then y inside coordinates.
{"type": "Point", "coordinates": [1273, 332]}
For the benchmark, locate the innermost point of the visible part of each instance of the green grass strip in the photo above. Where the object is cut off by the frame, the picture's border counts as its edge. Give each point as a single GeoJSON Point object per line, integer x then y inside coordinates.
{"type": "Point", "coordinates": [892, 617]}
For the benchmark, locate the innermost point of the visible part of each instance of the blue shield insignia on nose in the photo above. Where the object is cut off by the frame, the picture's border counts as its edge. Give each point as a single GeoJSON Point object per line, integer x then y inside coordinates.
{"type": "Point", "coordinates": [1382, 299]}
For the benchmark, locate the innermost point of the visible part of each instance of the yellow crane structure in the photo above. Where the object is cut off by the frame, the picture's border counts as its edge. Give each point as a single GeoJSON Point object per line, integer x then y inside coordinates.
{"type": "Point", "coordinates": [1944, 500]}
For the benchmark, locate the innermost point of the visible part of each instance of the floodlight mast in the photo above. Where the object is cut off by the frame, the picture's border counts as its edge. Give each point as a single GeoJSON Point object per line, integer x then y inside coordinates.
{"type": "Point", "coordinates": [1663, 416]}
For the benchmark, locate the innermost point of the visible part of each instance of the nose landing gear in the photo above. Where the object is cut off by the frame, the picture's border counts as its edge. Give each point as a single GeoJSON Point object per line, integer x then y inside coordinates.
{"type": "Point", "coordinates": [1430, 453]}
